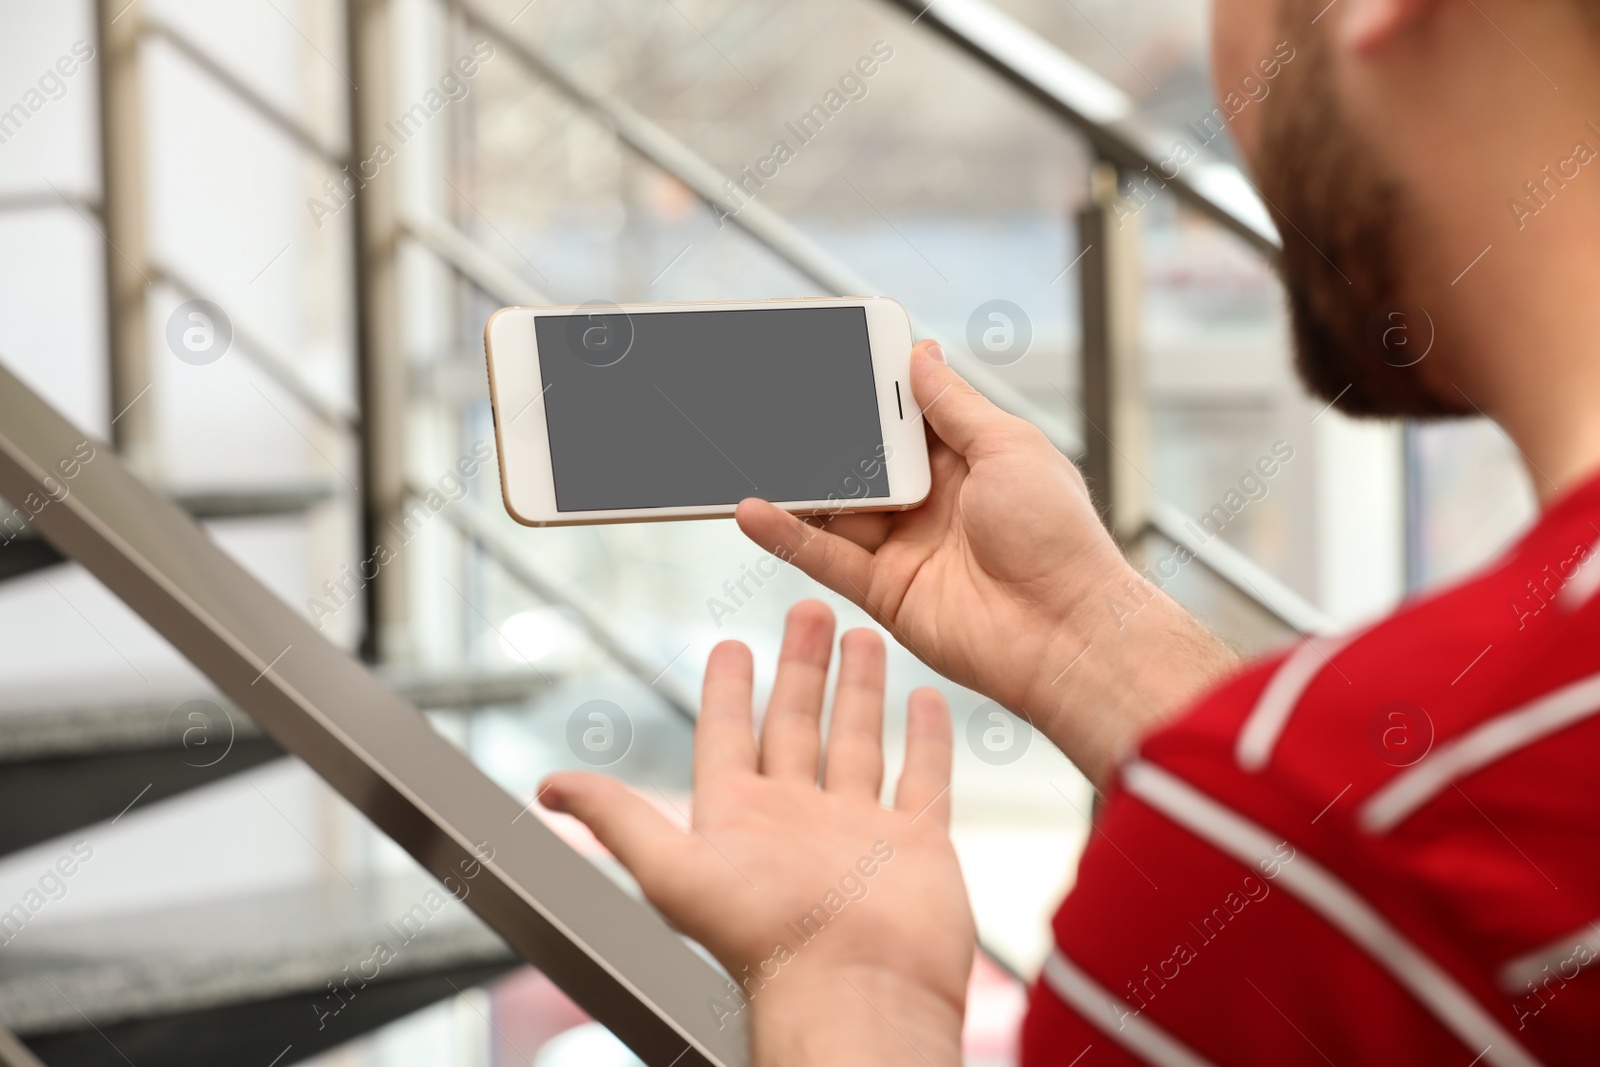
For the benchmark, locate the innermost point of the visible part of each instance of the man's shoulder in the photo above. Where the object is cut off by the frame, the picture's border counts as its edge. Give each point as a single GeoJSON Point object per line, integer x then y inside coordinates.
{"type": "Point", "coordinates": [1439, 765]}
{"type": "Point", "coordinates": [1363, 707]}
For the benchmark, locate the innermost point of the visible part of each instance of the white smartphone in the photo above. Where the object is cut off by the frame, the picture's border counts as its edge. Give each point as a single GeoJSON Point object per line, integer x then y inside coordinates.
{"type": "Point", "coordinates": [608, 413]}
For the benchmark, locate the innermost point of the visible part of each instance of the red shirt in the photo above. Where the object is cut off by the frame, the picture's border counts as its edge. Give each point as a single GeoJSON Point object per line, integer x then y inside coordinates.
{"type": "Point", "coordinates": [1377, 848]}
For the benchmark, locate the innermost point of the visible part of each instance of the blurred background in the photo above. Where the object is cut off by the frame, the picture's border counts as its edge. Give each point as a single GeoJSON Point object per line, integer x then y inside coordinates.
{"type": "Point", "coordinates": [204, 152]}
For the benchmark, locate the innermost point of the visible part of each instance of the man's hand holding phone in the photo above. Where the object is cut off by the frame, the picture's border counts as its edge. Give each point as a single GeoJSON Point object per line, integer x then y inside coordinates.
{"type": "Point", "coordinates": [1002, 581]}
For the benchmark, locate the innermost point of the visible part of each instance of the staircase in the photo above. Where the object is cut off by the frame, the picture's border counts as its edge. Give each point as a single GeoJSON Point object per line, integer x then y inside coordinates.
{"type": "Point", "coordinates": [424, 710]}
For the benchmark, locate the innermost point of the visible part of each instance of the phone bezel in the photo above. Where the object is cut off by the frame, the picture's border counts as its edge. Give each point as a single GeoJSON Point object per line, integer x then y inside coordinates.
{"type": "Point", "coordinates": [522, 440]}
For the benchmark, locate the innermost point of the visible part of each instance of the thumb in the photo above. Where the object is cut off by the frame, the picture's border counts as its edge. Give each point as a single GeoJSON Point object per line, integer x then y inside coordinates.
{"type": "Point", "coordinates": [642, 839]}
{"type": "Point", "coordinates": [958, 413]}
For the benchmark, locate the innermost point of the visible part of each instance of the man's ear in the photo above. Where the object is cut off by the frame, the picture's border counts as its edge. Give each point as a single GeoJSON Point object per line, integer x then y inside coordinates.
{"type": "Point", "coordinates": [1368, 26]}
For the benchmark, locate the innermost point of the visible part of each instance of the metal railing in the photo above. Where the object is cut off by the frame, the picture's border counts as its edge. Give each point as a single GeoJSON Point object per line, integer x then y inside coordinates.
{"type": "Point", "coordinates": [286, 124]}
{"type": "Point", "coordinates": [1103, 114]}
{"type": "Point", "coordinates": [332, 411]}
{"type": "Point", "coordinates": [495, 541]}
{"type": "Point", "coordinates": [463, 255]}
{"type": "Point", "coordinates": [611, 953]}
{"type": "Point", "coordinates": [1093, 107]}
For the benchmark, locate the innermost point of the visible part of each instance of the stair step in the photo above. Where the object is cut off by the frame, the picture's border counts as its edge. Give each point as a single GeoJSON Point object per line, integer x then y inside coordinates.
{"type": "Point", "coordinates": [28, 552]}
{"type": "Point", "coordinates": [68, 767]}
{"type": "Point", "coordinates": [309, 967]}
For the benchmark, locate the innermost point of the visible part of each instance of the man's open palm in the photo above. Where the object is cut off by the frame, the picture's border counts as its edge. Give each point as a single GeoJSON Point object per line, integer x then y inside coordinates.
{"type": "Point", "coordinates": [824, 905]}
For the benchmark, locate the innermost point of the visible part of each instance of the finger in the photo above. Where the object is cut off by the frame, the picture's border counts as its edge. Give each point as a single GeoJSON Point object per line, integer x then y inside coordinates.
{"type": "Point", "coordinates": [958, 413]}
{"type": "Point", "coordinates": [642, 839]}
{"type": "Point", "coordinates": [791, 739]}
{"type": "Point", "coordinates": [855, 735]}
{"type": "Point", "coordinates": [842, 566]}
{"type": "Point", "coordinates": [868, 529]}
{"type": "Point", "coordinates": [924, 789]}
{"type": "Point", "coordinates": [724, 739]}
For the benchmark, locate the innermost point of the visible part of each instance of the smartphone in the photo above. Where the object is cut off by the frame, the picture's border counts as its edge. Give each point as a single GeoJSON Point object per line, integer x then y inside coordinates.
{"type": "Point", "coordinates": [607, 413]}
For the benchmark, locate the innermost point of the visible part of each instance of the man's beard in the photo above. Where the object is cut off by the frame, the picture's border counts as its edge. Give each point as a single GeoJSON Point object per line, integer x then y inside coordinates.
{"type": "Point", "coordinates": [1358, 343]}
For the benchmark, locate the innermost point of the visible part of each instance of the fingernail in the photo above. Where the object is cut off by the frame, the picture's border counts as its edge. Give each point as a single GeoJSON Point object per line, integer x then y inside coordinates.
{"type": "Point", "coordinates": [936, 352]}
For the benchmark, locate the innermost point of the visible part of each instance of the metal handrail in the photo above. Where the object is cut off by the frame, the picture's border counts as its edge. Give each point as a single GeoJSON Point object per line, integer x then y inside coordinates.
{"type": "Point", "coordinates": [273, 115]}
{"type": "Point", "coordinates": [333, 411]}
{"type": "Point", "coordinates": [1100, 112]}
{"type": "Point", "coordinates": [473, 262]}
{"type": "Point", "coordinates": [1240, 572]}
{"type": "Point", "coordinates": [25, 202]}
{"type": "Point", "coordinates": [481, 528]}
{"type": "Point", "coordinates": [613, 955]}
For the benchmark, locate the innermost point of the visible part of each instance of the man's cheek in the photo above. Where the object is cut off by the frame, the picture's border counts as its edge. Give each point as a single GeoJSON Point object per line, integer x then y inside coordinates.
{"type": "Point", "coordinates": [1227, 24]}
{"type": "Point", "coordinates": [1242, 32]}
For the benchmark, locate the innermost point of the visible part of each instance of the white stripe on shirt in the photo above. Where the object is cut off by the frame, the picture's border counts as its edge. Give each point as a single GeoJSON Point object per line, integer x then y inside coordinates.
{"type": "Point", "coordinates": [1278, 700]}
{"type": "Point", "coordinates": [1322, 892]}
{"type": "Point", "coordinates": [1583, 942]}
{"type": "Point", "coordinates": [1117, 1020]}
{"type": "Point", "coordinates": [1476, 749]}
{"type": "Point", "coordinates": [1583, 584]}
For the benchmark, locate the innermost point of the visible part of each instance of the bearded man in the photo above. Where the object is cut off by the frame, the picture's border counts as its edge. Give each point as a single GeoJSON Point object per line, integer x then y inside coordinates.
{"type": "Point", "coordinates": [1268, 882]}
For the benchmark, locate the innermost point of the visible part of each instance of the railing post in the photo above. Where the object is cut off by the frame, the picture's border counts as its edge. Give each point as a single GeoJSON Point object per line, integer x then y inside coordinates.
{"type": "Point", "coordinates": [381, 364]}
{"type": "Point", "coordinates": [1414, 515]}
{"type": "Point", "coordinates": [1116, 423]}
{"type": "Point", "coordinates": [127, 272]}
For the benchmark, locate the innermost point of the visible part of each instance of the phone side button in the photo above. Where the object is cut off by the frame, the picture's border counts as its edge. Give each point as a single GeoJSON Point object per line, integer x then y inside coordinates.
{"type": "Point", "coordinates": [898, 406]}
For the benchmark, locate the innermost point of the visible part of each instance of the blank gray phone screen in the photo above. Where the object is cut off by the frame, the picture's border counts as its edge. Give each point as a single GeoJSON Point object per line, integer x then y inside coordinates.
{"type": "Point", "coordinates": [682, 408]}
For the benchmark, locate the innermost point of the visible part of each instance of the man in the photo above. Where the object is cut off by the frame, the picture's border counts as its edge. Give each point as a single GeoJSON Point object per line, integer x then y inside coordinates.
{"type": "Point", "coordinates": [1278, 878]}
